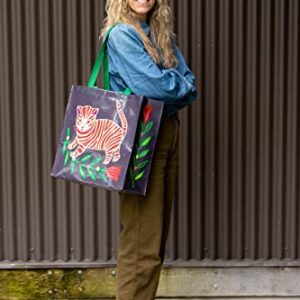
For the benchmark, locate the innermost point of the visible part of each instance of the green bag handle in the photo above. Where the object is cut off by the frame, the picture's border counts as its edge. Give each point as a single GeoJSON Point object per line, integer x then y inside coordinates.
{"type": "Point", "coordinates": [102, 57]}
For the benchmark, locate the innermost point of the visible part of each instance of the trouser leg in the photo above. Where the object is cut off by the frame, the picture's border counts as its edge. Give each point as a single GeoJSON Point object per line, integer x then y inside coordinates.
{"type": "Point", "coordinates": [142, 218]}
{"type": "Point", "coordinates": [170, 188]}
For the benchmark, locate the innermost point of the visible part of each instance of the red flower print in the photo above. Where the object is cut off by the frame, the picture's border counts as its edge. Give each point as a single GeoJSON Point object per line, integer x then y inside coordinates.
{"type": "Point", "coordinates": [147, 112]}
{"type": "Point", "coordinates": [113, 172]}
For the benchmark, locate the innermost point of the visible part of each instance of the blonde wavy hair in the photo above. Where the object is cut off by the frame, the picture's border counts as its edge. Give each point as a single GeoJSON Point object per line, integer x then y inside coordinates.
{"type": "Point", "coordinates": [160, 20]}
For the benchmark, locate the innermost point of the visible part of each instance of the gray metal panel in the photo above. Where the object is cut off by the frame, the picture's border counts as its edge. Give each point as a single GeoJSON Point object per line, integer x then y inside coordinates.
{"type": "Point", "coordinates": [239, 149]}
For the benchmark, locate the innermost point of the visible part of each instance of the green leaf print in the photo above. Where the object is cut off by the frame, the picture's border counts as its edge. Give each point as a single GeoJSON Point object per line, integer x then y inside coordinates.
{"type": "Point", "coordinates": [65, 147]}
{"type": "Point", "coordinates": [142, 126]}
{"type": "Point", "coordinates": [95, 161]}
{"type": "Point", "coordinates": [142, 164]}
{"type": "Point", "coordinates": [68, 132]}
{"type": "Point", "coordinates": [67, 156]}
{"type": "Point", "coordinates": [148, 127]}
{"type": "Point", "coordinates": [146, 141]}
{"type": "Point", "coordinates": [143, 153]}
{"type": "Point", "coordinates": [87, 157]}
{"type": "Point", "coordinates": [93, 177]}
{"type": "Point", "coordinates": [82, 172]}
{"type": "Point", "coordinates": [72, 166]}
{"type": "Point", "coordinates": [138, 176]}
{"type": "Point", "coordinates": [103, 176]}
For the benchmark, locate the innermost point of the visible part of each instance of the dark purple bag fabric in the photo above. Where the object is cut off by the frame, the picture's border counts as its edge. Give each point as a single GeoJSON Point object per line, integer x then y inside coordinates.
{"type": "Point", "coordinates": [144, 146]}
{"type": "Point", "coordinates": [108, 139]}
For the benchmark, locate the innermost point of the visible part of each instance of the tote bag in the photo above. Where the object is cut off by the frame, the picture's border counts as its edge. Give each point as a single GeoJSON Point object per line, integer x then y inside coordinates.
{"type": "Point", "coordinates": [108, 138]}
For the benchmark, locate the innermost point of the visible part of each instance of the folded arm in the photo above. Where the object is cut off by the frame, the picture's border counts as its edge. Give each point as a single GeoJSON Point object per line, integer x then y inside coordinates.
{"type": "Point", "coordinates": [140, 72]}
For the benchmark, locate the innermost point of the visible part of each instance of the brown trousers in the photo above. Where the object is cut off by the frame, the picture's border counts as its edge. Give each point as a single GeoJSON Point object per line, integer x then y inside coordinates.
{"type": "Point", "coordinates": [145, 221]}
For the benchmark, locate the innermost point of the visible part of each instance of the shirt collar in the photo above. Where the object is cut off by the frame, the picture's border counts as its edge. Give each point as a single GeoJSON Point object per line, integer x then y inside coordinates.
{"type": "Point", "coordinates": [145, 26]}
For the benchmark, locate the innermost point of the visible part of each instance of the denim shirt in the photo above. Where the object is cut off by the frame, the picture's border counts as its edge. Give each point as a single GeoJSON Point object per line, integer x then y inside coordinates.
{"type": "Point", "coordinates": [130, 65]}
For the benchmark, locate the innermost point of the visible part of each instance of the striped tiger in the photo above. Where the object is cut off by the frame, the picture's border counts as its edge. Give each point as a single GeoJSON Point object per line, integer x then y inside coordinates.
{"type": "Point", "coordinates": [98, 134]}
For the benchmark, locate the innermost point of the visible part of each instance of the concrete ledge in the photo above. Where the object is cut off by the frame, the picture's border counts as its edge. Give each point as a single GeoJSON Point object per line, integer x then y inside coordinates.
{"type": "Point", "coordinates": [175, 283]}
{"type": "Point", "coordinates": [230, 282]}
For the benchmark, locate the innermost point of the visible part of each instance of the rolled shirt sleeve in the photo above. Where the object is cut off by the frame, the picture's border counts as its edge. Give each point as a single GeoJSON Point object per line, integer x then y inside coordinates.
{"type": "Point", "coordinates": [185, 71]}
{"type": "Point", "coordinates": [142, 75]}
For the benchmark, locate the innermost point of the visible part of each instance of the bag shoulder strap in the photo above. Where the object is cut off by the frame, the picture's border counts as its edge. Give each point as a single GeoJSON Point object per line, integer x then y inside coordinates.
{"type": "Point", "coordinates": [103, 57]}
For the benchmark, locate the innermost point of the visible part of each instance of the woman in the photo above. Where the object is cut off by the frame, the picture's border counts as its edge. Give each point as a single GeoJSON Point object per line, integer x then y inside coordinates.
{"type": "Point", "coordinates": [143, 56]}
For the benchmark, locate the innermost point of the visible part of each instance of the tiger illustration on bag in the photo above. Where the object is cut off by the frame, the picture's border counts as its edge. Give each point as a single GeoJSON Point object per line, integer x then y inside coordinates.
{"type": "Point", "coordinates": [98, 134]}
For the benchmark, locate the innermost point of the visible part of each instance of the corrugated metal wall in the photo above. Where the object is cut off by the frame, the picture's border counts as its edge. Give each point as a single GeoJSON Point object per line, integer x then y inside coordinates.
{"type": "Point", "coordinates": [239, 179]}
